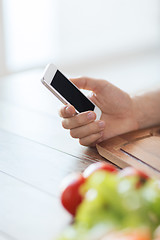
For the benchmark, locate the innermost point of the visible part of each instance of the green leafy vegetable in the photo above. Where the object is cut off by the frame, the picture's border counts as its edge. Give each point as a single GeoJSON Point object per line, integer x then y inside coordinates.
{"type": "Point", "coordinates": [113, 203]}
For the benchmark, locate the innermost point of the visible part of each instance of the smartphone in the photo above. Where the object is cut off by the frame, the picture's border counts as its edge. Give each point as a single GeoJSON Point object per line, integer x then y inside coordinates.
{"type": "Point", "coordinates": [66, 91]}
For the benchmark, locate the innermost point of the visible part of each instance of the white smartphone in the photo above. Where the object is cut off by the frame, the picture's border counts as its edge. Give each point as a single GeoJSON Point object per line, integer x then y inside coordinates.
{"type": "Point", "coordinates": [67, 92]}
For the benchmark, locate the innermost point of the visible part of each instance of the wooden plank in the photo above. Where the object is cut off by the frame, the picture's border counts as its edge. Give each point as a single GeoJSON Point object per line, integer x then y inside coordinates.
{"type": "Point", "coordinates": [35, 155]}
{"type": "Point", "coordinates": [147, 150]}
{"type": "Point", "coordinates": [27, 213]}
{"type": "Point", "coordinates": [36, 164]}
{"type": "Point", "coordinates": [140, 149]}
{"type": "Point", "coordinates": [28, 109]}
{"type": "Point", "coordinates": [44, 129]}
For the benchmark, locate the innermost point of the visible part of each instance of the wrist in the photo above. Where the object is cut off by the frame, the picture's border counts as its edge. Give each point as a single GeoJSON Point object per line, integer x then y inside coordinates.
{"type": "Point", "coordinates": [146, 109]}
{"type": "Point", "coordinates": [139, 115]}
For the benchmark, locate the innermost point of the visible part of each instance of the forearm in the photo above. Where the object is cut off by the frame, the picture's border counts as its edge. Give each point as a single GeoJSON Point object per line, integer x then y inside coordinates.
{"type": "Point", "coordinates": [147, 108]}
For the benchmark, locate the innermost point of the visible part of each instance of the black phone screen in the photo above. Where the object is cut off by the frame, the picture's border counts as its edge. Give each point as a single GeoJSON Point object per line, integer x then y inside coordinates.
{"type": "Point", "coordinates": [71, 93]}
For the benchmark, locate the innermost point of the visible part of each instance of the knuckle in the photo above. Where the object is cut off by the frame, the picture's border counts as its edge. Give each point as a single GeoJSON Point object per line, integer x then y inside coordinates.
{"type": "Point", "coordinates": [79, 120]}
{"type": "Point", "coordinates": [61, 112]}
{"type": "Point", "coordinates": [73, 133]}
{"type": "Point", "coordinates": [91, 129]}
{"type": "Point", "coordinates": [92, 138]}
{"type": "Point", "coordinates": [81, 141]}
{"type": "Point", "coordinates": [64, 124]}
{"type": "Point", "coordinates": [100, 125]}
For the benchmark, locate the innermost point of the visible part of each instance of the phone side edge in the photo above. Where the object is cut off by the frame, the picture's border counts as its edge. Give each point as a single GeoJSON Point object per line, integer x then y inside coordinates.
{"type": "Point", "coordinates": [49, 73]}
{"type": "Point", "coordinates": [53, 91]}
{"type": "Point", "coordinates": [98, 112]}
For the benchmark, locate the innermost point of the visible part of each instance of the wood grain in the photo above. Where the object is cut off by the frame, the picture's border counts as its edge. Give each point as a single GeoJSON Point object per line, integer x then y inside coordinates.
{"type": "Point", "coordinates": [140, 149]}
{"type": "Point", "coordinates": [36, 153]}
{"type": "Point", "coordinates": [36, 164]}
{"type": "Point", "coordinates": [27, 213]}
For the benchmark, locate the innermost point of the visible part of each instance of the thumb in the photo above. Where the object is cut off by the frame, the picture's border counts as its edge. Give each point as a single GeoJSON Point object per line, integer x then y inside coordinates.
{"type": "Point", "coordinates": [88, 83]}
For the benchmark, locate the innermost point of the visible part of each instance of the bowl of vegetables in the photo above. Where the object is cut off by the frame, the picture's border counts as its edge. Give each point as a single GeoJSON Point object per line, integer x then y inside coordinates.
{"type": "Point", "coordinates": [111, 204]}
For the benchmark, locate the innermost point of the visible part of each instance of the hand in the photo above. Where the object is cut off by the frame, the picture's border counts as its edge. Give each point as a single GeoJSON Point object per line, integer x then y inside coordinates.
{"type": "Point", "coordinates": [118, 115]}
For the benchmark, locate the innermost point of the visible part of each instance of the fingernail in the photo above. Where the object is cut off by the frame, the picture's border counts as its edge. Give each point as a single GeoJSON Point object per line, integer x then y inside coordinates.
{"type": "Point", "coordinates": [101, 124]}
{"type": "Point", "coordinates": [68, 109]}
{"type": "Point", "coordinates": [91, 116]}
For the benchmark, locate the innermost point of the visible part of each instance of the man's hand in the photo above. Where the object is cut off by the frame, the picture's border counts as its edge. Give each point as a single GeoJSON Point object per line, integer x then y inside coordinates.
{"type": "Point", "coordinates": [118, 113]}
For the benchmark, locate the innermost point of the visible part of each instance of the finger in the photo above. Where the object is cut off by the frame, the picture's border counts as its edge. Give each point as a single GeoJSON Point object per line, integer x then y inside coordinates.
{"type": "Point", "coordinates": [67, 112]}
{"type": "Point", "coordinates": [91, 140]}
{"type": "Point", "coordinates": [88, 129]}
{"type": "Point", "coordinates": [79, 120]}
{"type": "Point", "coordinates": [89, 83]}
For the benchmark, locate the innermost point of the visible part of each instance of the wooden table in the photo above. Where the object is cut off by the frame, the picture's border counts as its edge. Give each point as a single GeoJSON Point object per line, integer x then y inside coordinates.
{"type": "Point", "coordinates": [36, 153]}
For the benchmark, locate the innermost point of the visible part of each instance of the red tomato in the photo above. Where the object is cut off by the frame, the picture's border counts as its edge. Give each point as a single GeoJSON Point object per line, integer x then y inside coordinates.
{"type": "Point", "coordinates": [70, 194]}
{"type": "Point", "coordinates": [98, 166]}
{"type": "Point", "coordinates": [130, 171]}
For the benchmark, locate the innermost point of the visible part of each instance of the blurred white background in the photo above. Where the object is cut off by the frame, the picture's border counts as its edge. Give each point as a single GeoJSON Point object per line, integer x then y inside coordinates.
{"type": "Point", "coordinates": [101, 38]}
